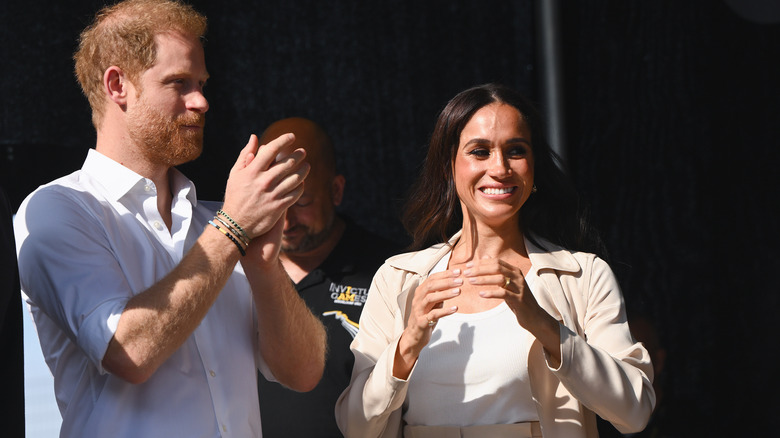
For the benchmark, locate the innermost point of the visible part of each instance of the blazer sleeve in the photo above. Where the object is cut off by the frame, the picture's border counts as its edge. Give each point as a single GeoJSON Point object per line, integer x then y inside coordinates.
{"type": "Point", "coordinates": [371, 405]}
{"type": "Point", "coordinates": [605, 369]}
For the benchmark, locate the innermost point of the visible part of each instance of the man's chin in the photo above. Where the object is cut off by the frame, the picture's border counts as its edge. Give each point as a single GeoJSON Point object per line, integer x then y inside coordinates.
{"type": "Point", "coordinates": [186, 155]}
{"type": "Point", "coordinates": [304, 242]}
{"type": "Point", "coordinates": [294, 249]}
{"type": "Point", "coordinates": [289, 246]}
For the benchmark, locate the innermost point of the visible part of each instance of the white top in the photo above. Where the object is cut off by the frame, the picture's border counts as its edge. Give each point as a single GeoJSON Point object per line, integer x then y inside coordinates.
{"type": "Point", "coordinates": [474, 371]}
{"type": "Point", "coordinates": [88, 242]}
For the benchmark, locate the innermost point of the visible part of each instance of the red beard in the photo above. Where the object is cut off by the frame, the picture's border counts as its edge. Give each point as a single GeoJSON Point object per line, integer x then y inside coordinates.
{"type": "Point", "coordinates": [164, 140]}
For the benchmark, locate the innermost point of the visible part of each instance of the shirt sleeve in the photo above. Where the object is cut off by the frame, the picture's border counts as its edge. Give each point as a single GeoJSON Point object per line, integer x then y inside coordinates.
{"type": "Point", "coordinates": [68, 269]}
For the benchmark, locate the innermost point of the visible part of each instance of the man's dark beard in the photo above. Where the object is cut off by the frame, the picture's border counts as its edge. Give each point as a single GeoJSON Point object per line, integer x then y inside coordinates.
{"type": "Point", "coordinates": [310, 241]}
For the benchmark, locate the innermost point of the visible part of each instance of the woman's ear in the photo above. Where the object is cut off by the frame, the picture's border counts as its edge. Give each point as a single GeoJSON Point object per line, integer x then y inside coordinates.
{"type": "Point", "coordinates": [116, 85]}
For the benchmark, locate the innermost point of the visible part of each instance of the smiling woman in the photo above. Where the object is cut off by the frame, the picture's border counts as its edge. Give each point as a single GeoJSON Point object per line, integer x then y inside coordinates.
{"type": "Point", "coordinates": [494, 166]}
{"type": "Point", "coordinates": [507, 327]}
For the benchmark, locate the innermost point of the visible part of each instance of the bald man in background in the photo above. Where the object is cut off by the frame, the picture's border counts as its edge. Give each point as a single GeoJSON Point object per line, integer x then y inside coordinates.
{"type": "Point", "coordinates": [332, 261]}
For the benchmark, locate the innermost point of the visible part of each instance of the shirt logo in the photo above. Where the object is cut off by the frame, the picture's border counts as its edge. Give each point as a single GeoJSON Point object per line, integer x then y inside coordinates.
{"type": "Point", "coordinates": [348, 295]}
{"type": "Point", "coordinates": [350, 326]}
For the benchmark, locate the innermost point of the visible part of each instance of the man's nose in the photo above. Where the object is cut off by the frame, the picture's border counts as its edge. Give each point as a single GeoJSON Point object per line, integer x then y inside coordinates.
{"type": "Point", "coordinates": [197, 102]}
{"type": "Point", "coordinates": [289, 219]}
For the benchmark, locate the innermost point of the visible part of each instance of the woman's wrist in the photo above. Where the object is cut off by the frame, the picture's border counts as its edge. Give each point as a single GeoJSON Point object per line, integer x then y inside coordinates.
{"type": "Point", "coordinates": [550, 337]}
{"type": "Point", "coordinates": [404, 359]}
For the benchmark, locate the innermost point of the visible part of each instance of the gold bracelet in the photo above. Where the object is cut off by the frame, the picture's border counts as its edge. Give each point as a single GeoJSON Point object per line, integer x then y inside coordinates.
{"type": "Point", "coordinates": [232, 230]}
{"type": "Point", "coordinates": [240, 248]}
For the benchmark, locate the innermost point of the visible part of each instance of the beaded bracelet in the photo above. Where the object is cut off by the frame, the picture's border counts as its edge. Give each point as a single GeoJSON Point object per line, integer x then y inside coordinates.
{"type": "Point", "coordinates": [232, 230]}
{"type": "Point", "coordinates": [240, 248]}
{"type": "Point", "coordinates": [227, 216]}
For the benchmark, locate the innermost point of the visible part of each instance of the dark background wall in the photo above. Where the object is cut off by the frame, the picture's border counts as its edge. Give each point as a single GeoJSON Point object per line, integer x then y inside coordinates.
{"type": "Point", "coordinates": [673, 127]}
{"type": "Point", "coordinates": [373, 73]}
{"type": "Point", "coordinates": [672, 112]}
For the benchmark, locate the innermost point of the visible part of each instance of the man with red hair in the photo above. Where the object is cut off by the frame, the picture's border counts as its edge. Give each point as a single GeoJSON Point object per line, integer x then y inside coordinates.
{"type": "Point", "coordinates": [147, 320]}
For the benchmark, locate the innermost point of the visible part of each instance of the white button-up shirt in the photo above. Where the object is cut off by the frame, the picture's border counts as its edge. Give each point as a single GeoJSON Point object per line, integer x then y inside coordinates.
{"type": "Point", "coordinates": [87, 243]}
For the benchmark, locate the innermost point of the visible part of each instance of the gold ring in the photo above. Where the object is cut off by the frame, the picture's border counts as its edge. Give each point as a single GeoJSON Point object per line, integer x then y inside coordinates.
{"type": "Point", "coordinates": [431, 323]}
{"type": "Point", "coordinates": [506, 282]}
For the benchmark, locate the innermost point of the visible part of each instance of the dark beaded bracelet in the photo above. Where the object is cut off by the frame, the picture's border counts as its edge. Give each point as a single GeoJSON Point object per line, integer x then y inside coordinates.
{"type": "Point", "coordinates": [227, 216]}
{"type": "Point", "coordinates": [240, 248]}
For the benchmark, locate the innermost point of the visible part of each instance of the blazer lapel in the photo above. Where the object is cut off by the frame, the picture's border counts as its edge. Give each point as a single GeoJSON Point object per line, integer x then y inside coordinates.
{"type": "Point", "coordinates": [416, 267]}
{"type": "Point", "coordinates": [549, 265]}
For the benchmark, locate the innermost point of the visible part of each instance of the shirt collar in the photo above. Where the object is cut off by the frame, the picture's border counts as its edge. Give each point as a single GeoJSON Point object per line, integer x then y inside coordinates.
{"type": "Point", "coordinates": [118, 180]}
{"type": "Point", "coordinates": [182, 186]}
{"type": "Point", "coordinates": [553, 257]}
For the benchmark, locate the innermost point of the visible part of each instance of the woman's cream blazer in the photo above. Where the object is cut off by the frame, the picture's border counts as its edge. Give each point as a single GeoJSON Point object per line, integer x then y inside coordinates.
{"type": "Point", "coordinates": [602, 371]}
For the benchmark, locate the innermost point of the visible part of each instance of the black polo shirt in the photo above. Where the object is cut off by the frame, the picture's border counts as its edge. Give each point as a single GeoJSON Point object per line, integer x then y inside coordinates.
{"type": "Point", "coordinates": [336, 292]}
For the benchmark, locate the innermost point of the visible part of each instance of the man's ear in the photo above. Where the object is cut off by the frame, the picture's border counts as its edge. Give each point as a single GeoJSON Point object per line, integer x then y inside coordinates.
{"type": "Point", "coordinates": [116, 85]}
{"type": "Point", "coordinates": [337, 189]}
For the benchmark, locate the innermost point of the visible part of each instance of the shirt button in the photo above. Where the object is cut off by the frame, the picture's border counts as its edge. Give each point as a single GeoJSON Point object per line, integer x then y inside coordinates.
{"type": "Point", "coordinates": [158, 225]}
{"type": "Point", "coordinates": [147, 188]}
{"type": "Point", "coordinates": [213, 374]}
{"type": "Point", "coordinates": [224, 428]}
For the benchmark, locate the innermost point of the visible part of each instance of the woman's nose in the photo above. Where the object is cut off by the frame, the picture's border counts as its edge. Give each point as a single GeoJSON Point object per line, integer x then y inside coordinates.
{"type": "Point", "coordinates": [499, 165]}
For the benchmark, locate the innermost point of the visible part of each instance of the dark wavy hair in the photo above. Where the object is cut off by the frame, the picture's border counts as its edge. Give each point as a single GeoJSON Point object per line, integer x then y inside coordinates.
{"type": "Point", "coordinates": [554, 213]}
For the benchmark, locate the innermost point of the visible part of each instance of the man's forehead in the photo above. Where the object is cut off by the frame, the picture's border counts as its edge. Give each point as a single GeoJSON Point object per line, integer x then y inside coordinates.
{"type": "Point", "coordinates": [179, 53]}
{"type": "Point", "coordinates": [178, 39]}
